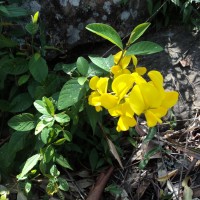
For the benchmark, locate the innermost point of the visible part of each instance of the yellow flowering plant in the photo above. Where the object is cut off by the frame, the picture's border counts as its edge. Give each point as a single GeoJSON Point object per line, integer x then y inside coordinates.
{"type": "Point", "coordinates": [130, 95]}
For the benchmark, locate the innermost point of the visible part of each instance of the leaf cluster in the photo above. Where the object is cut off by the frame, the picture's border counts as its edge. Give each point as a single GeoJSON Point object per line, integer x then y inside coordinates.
{"type": "Point", "coordinates": [166, 12]}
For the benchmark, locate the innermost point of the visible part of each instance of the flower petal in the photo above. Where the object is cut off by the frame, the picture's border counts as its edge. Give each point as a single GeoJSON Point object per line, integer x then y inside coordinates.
{"type": "Point", "coordinates": [124, 62]}
{"type": "Point", "coordinates": [152, 119]}
{"type": "Point", "coordinates": [136, 100]}
{"type": "Point", "coordinates": [137, 78]}
{"type": "Point", "coordinates": [151, 95]}
{"type": "Point", "coordinates": [141, 70]}
{"type": "Point", "coordinates": [93, 82]}
{"type": "Point", "coordinates": [157, 79]}
{"type": "Point", "coordinates": [171, 98]}
{"type": "Point", "coordinates": [102, 85]}
{"type": "Point", "coordinates": [115, 69]}
{"type": "Point", "coordinates": [108, 101]}
{"type": "Point", "coordinates": [122, 84]}
{"type": "Point", "coordinates": [94, 99]}
{"type": "Point", "coordinates": [117, 57]}
{"type": "Point", "coordinates": [124, 123]}
{"type": "Point", "coordinates": [135, 61]}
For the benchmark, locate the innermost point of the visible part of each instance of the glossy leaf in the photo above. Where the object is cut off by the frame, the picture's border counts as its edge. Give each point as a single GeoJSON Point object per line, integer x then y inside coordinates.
{"type": "Point", "coordinates": [62, 118]}
{"type": "Point", "coordinates": [22, 122]}
{"type": "Point", "coordinates": [82, 66]}
{"type": "Point", "coordinates": [103, 63]}
{"type": "Point", "coordinates": [144, 48]}
{"type": "Point", "coordinates": [38, 68]}
{"type": "Point", "coordinates": [40, 126]}
{"type": "Point", "coordinates": [70, 94]}
{"type": "Point", "coordinates": [137, 32]}
{"type": "Point", "coordinates": [15, 66]}
{"type": "Point", "coordinates": [41, 107]}
{"type": "Point", "coordinates": [62, 161]}
{"type": "Point", "coordinates": [30, 164]}
{"type": "Point", "coordinates": [63, 184]}
{"type": "Point", "coordinates": [21, 102]}
{"type": "Point", "coordinates": [54, 171]}
{"type": "Point", "coordinates": [49, 105]}
{"type": "Point", "coordinates": [106, 32]}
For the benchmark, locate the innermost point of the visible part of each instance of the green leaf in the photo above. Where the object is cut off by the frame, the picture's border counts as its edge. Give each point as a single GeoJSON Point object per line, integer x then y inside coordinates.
{"type": "Point", "coordinates": [114, 189]}
{"type": "Point", "coordinates": [32, 28]}
{"type": "Point", "coordinates": [54, 171]}
{"type": "Point", "coordinates": [49, 105]}
{"type": "Point", "coordinates": [23, 79]}
{"type": "Point", "coordinates": [15, 11]}
{"type": "Point", "coordinates": [30, 163]}
{"type": "Point", "coordinates": [27, 187]}
{"type": "Point", "coordinates": [67, 68]}
{"type": "Point", "coordinates": [21, 102]}
{"type": "Point", "coordinates": [60, 141]}
{"type": "Point", "coordinates": [3, 10]}
{"type": "Point", "coordinates": [103, 63]}
{"type": "Point", "coordinates": [45, 135]}
{"type": "Point", "coordinates": [137, 32]}
{"type": "Point", "coordinates": [82, 66]}
{"type": "Point", "coordinates": [51, 188]}
{"type": "Point", "coordinates": [38, 68]}
{"type": "Point", "coordinates": [63, 162]}
{"type": "Point", "coordinates": [147, 157]}
{"type": "Point", "coordinates": [107, 32]}
{"type": "Point", "coordinates": [151, 133]}
{"type": "Point", "coordinates": [41, 107]}
{"type": "Point", "coordinates": [22, 122]}
{"type": "Point", "coordinates": [93, 116]}
{"type": "Point", "coordinates": [63, 184]}
{"type": "Point", "coordinates": [82, 80]}
{"type": "Point", "coordinates": [93, 157]}
{"type": "Point", "coordinates": [49, 154]}
{"type": "Point", "coordinates": [16, 143]}
{"type": "Point", "coordinates": [67, 135]}
{"type": "Point", "coordinates": [70, 94]}
{"type": "Point", "coordinates": [6, 42]}
{"type": "Point", "coordinates": [62, 118]}
{"type": "Point", "coordinates": [15, 66]}
{"type": "Point", "coordinates": [144, 48]}
{"type": "Point", "coordinates": [41, 125]}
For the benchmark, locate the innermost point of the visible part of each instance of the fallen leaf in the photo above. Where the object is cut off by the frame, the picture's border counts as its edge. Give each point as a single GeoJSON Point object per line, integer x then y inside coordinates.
{"type": "Point", "coordinates": [114, 152]}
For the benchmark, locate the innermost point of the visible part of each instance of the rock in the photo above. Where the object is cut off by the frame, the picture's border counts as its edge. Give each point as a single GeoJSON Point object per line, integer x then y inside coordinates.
{"type": "Point", "coordinates": [65, 20]}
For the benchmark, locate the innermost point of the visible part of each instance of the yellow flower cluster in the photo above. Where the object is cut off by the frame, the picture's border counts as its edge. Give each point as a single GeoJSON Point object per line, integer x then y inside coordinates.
{"type": "Point", "coordinates": [130, 94]}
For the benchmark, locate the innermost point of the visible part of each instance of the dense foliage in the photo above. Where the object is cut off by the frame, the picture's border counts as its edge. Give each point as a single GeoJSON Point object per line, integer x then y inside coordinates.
{"type": "Point", "coordinates": [52, 113]}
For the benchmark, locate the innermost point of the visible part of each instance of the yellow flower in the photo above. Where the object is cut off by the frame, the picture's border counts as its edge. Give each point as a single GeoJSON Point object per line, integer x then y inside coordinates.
{"type": "Point", "coordinates": [99, 85]}
{"type": "Point", "coordinates": [122, 84]}
{"type": "Point", "coordinates": [122, 62]}
{"type": "Point", "coordinates": [125, 114]}
{"type": "Point", "coordinates": [151, 99]}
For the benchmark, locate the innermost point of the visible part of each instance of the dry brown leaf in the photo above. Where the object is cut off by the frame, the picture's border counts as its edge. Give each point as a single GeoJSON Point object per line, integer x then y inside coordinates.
{"type": "Point", "coordinates": [114, 152]}
{"type": "Point", "coordinates": [167, 176]}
